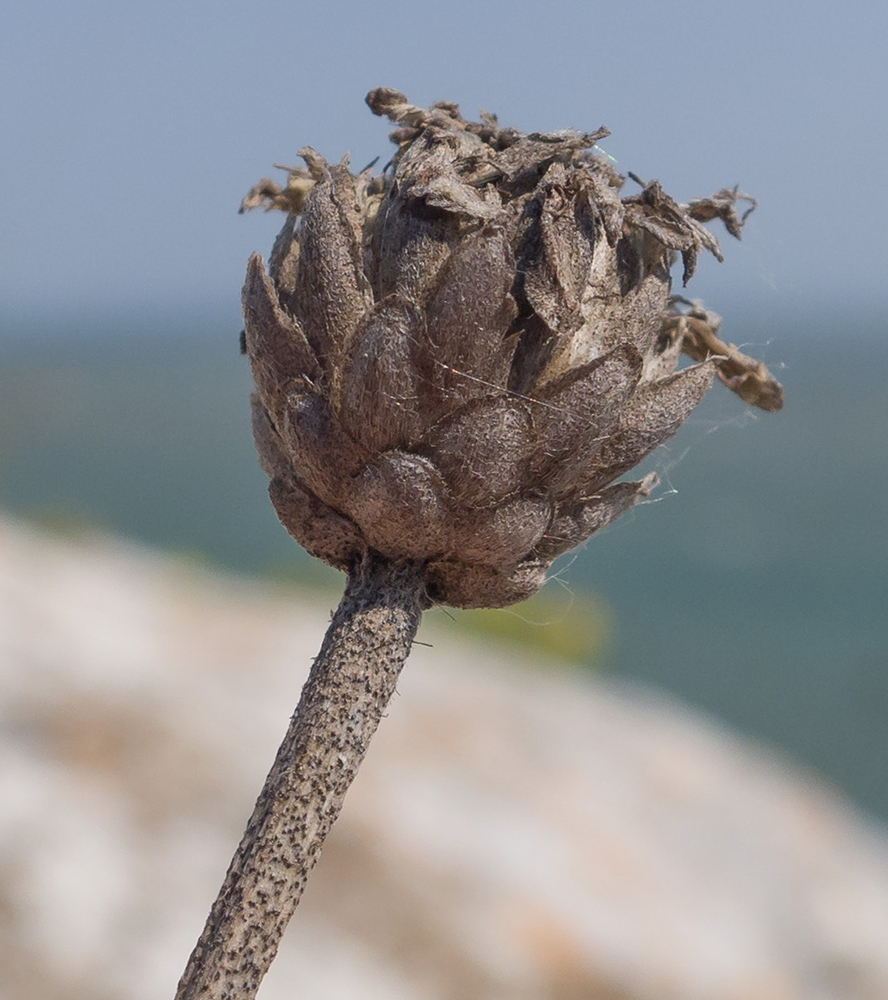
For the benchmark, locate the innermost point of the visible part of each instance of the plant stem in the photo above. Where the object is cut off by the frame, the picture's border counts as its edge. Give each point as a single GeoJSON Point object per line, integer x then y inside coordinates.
{"type": "Point", "coordinates": [350, 684]}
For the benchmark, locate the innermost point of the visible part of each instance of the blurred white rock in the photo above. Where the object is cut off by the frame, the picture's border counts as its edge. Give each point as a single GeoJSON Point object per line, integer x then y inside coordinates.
{"type": "Point", "coordinates": [518, 831]}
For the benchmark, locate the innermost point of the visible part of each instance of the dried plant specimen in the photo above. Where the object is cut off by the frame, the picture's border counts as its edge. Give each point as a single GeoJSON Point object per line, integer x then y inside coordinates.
{"type": "Point", "coordinates": [454, 361]}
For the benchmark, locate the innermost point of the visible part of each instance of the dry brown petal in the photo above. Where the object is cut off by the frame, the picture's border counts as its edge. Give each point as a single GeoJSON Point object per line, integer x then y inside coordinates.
{"type": "Point", "coordinates": [332, 292]}
{"type": "Point", "coordinates": [321, 531]}
{"type": "Point", "coordinates": [482, 449]}
{"type": "Point", "coordinates": [277, 347]}
{"type": "Point", "coordinates": [723, 205]}
{"type": "Point", "coordinates": [392, 104]}
{"type": "Point", "coordinates": [574, 413]}
{"type": "Point", "coordinates": [450, 194]}
{"type": "Point", "coordinates": [649, 298]}
{"type": "Point", "coordinates": [470, 314]}
{"type": "Point", "coordinates": [268, 195]}
{"type": "Point", "coordinates": [283, 264]}
{"type": "Point", "coordinates": [432, 171]}
{"type": "Point", "coordinates": [323, 456]}
{"type": "Point", "coordinates": [501, 534]}
{"type": "Point", "coordinates": [749, 378]}
{"type": "Point", "coordinates": [661, 216]}
{"type": "Point", "coordinates": [385, 378]}
{"type": "Point", "coordinates": [615, 312]}
{"type": "Point", "coordinates": [463, 585]}
{"type": "Point", "coordinates": [575, 522]}
{"type": "Point", "coordinates": [408, 249]}
{"type": "Point", "coordinates": [525, 161]}
{"type": "Point", "coordinates": [345, 194]}
{"type": "Point", "coordinates": [603, 195]}
{"type": "Point", "coordinates": [653, 415]}
{"type": "Point", "coordinates": [399, 502]}
{"type": "Point", "coordinates": [556, 252]}
{"type": "Point", "coordinates": [273, 455]}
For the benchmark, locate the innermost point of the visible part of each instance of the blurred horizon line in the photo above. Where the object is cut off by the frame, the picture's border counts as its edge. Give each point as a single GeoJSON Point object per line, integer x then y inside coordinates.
{"type": "Point", "coordinates": [796, 316]}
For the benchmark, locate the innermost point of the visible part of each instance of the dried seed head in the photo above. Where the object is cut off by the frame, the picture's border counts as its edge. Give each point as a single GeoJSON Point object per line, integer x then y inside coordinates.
{"type": "Point", "coordinates": [454, 360]}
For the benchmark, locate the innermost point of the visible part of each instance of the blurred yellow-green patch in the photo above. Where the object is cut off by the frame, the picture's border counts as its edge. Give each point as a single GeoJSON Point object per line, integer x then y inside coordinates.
{"type": "Point", "coordinates": [571, 626]}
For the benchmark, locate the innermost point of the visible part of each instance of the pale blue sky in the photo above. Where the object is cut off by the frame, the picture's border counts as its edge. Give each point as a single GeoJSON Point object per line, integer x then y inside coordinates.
{"type": "Point", "coordinates": [130, 131]}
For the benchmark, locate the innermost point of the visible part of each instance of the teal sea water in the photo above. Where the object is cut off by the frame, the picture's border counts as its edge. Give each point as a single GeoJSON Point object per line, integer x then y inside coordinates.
{"type": "Point", "coordinates": [755, 585]}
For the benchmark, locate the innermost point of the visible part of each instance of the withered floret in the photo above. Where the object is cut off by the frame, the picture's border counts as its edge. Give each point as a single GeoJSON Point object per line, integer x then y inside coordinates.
{"type": "Point", "coordinates": [455, 359]}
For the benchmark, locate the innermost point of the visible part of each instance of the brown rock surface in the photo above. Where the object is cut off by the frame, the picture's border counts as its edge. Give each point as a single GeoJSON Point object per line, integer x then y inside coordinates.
{"type": "Point", "coordinates": [516, 833]}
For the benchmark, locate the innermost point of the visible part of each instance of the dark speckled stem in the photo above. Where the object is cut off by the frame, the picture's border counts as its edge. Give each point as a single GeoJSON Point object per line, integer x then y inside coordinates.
{"type": "Point", "coordinates": [350, 684]}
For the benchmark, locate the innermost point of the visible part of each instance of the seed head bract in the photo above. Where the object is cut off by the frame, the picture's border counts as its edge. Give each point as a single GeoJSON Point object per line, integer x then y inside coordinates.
{"type": "Point", "coordinates": [455, 359]}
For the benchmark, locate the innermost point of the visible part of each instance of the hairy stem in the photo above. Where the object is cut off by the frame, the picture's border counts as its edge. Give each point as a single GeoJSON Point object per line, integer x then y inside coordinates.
{"type": "Point", "coordinates": [350, 684]}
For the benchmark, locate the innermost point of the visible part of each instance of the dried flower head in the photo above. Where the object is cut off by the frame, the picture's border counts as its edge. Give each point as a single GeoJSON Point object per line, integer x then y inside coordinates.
{"type": "Point", "coordinates": [456, 359]}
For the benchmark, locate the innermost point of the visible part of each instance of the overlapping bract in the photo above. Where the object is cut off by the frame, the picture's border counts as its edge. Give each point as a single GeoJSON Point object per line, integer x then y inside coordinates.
{"type": "Point", "coordinates": [456, 359]}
